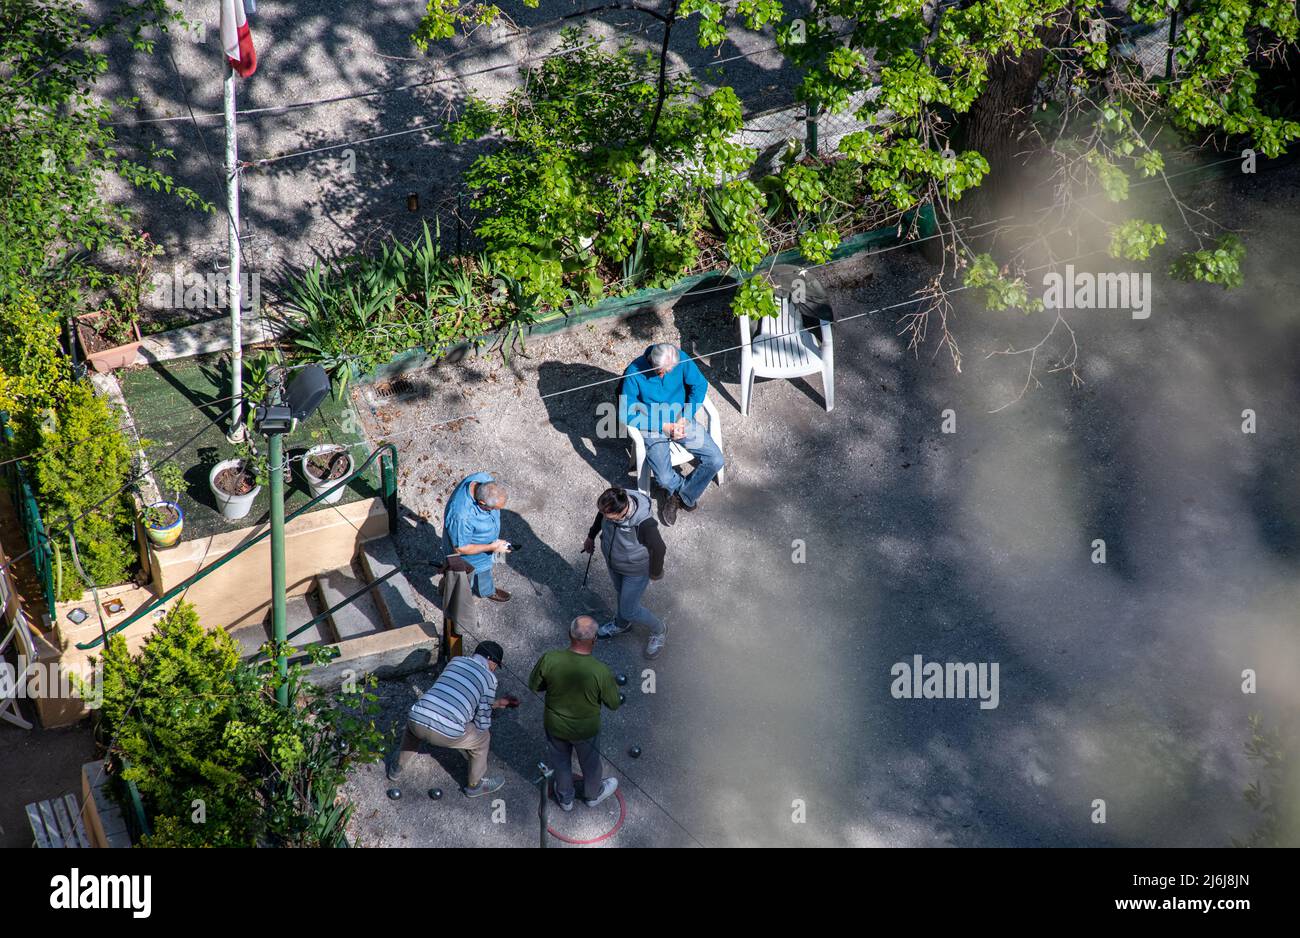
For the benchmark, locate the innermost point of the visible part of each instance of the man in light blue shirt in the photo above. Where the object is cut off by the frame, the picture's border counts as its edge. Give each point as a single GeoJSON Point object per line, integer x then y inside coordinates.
{"type": "Point", "coordinates": [661, 394]}
{"type": "Point", "coordinates": [471, 528]}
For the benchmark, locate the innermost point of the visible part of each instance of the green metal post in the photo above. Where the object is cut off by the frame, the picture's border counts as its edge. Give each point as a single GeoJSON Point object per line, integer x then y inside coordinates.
{"type": "Point", "coordinates": [388, 472]}
{"type": "Point", "coordinates": [810, 129]}
{"type": "Point", "coordinates": [275, 457]}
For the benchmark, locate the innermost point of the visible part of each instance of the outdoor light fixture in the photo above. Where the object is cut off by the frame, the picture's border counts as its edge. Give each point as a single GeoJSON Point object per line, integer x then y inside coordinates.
{"type": "Point", "coordinates": [272, 418]}
{"type": "Point", "coordinates": [307, 390]}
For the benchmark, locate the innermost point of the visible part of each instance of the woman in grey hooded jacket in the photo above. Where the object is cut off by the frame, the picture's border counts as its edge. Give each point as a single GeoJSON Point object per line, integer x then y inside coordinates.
{"type": "Point", "coordinates": [634, 554]}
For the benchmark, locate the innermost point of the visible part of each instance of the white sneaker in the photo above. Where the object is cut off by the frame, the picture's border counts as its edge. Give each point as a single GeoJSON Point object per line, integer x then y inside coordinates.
{"type": "Point", "coordinates": [656, 644]}
{"type": "Point", "coordinates": [607, 788]}
{"type": "Point", "coordinates": [610, 629]}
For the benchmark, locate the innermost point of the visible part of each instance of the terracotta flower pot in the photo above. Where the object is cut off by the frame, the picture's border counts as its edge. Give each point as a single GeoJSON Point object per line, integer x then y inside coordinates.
{"type": "Point", "coordinates": [105, 360]}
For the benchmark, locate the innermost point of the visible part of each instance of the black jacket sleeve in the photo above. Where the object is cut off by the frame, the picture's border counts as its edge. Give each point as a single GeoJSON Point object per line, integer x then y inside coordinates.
{"type": "Point", "coordinates": [595, 527]}
{"type": "Point", "coordinates": [647, 533]}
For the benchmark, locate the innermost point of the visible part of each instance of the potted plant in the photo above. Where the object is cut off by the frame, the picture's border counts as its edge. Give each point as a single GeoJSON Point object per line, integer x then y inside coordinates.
{"type": "Point", "coordinates": [110, 337]}
{"type": "Point", "coordinates": [324, 465]}
{"type": "Point", "coordinates": [236, 482]}
{"type": "Point", "coordinates": [164, 520]}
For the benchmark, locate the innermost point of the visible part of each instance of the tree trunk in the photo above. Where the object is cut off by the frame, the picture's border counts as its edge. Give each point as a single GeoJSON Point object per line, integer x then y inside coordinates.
{"type": "Point", "coordinates": [998, 127]}
{"type": "Point", "coordinates": [663, 74]}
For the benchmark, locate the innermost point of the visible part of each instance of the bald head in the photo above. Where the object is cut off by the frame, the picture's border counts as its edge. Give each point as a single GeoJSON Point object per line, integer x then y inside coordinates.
{"type": "Point", "coordinates": [583, 629]}
{"type": "Point", "coordinates": [491, 495]}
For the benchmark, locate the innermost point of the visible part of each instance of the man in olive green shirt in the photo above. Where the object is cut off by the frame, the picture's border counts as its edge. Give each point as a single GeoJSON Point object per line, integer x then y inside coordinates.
{"type": "Point", "coordinates": [576, 685]}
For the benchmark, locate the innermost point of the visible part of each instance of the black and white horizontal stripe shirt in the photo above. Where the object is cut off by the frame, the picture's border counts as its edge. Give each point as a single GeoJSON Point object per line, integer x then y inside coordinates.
{"type": "Point", "coordinates": [463, 692]}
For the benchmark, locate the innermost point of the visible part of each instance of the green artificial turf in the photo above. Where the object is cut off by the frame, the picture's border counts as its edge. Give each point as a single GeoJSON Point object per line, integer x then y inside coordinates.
{"type": "Point", "coordinates": [172, 401]}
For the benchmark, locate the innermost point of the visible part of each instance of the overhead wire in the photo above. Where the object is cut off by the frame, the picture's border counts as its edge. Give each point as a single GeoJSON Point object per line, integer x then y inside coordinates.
{"type": "Point", "coordinates": [426, 426]}
{"type": "Point", "coordinates": [521, 34]}
{"type": "Point", "coordinates": [387, 438]}
{"type": "Point", "coordinates": [121, 490]}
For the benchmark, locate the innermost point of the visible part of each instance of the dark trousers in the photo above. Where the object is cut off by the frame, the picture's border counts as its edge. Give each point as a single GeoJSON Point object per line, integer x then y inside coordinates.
{"type": "Point", "coordinates": [561, 752]}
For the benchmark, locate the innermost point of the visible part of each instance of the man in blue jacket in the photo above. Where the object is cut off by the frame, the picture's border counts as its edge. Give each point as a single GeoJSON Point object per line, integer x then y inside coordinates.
{"type": "Point", "coordinates": [661, 394]}
{"type": "Point", "coordinates": [471, 527]}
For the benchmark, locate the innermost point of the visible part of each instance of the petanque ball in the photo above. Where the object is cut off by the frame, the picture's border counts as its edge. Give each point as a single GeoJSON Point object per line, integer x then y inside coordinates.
{"type": "Point", "coordinates": [435, 793]}
{"type": "Point", "coordinates": [394, 793]}
{"type": "Point", "coordinates": [635, 752]}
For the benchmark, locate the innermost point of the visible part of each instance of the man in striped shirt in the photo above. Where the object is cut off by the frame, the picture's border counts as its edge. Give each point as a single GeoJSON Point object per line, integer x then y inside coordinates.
{"type": "Point", "coordinates": [456, 713]}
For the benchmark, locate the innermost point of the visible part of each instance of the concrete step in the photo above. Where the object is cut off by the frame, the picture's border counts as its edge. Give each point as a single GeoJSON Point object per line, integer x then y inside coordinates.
{"type": "Point", "coordinates": [360, 617]}
{"type": "Point", "coordinates": [298, 611]}
{"type": "Point", "coordinates": [395, 596]}
{"type": "Point", "coordinates": [250, 638]}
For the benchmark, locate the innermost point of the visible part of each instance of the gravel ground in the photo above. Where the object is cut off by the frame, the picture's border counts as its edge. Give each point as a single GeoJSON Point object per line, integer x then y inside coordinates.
{"type": "Point", "coordinates": [1119, 682]}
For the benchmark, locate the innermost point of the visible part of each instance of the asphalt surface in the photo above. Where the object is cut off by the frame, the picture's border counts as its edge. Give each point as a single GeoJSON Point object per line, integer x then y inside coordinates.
{"type": "Point", "coordinates": [1118, 682]}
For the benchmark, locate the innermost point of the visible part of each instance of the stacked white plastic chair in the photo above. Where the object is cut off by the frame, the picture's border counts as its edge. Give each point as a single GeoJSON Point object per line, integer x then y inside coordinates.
{"type": "Point", "coordinates": [783, 348]}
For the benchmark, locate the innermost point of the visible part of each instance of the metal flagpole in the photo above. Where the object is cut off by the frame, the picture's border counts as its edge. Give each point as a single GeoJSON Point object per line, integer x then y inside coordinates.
{"type": "Point", "coordinates": [233, 293]}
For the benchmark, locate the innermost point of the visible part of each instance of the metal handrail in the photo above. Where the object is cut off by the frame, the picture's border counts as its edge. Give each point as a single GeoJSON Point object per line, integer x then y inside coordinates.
{"type": "Point", "coordinates": [388, 473]}
{"type": "Point", "coordinates": [29, 517]}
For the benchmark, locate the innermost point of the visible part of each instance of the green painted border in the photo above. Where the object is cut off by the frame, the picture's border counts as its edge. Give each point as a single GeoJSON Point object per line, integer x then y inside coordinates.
{"type": "Point", "coordinates": [633, 303]}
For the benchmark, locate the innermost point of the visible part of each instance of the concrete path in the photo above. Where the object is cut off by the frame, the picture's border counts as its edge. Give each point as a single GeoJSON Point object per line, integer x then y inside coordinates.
{"type": "Point", "coordinates": [1119, 682]}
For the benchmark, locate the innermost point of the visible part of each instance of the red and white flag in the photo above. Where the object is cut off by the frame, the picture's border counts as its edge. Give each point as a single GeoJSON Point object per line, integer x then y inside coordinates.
{"type": "Point", "coordinates": [237, 39]}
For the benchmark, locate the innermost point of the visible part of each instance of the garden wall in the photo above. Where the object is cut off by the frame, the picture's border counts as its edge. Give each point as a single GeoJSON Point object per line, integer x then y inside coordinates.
{"type": "Point", "coordinates": [238, 593]}
{"type": "Point", "coordinates": [642, 300]}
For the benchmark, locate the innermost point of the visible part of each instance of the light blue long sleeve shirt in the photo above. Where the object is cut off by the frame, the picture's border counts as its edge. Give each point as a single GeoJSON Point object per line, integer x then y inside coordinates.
{"type": "Point", "coordinates": [465, 523]}
{"type": "Point", "coordinates": [648, 401]}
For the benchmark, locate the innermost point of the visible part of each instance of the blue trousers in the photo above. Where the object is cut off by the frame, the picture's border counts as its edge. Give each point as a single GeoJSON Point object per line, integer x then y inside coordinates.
{"type": "Point", "coordinates": [630, 589]}
{"type": "Point", "coordinates": [699, 444]}
{"type": "Point", "coordinates": [483, 583]}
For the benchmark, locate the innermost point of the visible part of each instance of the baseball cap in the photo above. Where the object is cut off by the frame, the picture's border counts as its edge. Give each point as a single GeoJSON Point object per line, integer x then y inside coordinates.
{"type": "Point", "coordinates": [491, 651]}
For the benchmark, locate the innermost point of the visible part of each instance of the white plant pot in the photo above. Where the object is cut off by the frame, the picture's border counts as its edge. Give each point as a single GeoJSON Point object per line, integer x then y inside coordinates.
{"type": "Point", "coordinates": [317, 485]}
{"type": "Point", "coordinates": [232, 507]}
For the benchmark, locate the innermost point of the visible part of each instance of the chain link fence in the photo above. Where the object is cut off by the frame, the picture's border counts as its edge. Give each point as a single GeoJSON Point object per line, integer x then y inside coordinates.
{"type": "Point", "coordinates": [1149, 47]}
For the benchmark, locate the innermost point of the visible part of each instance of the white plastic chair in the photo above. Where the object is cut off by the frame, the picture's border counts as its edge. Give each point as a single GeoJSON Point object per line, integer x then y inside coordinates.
{"type": "Point", "coordinates": [783, 348]}
{"type": "Point", "coordinates": [20, 636]}
{"type": "Point", "coordinates": [681, 455]}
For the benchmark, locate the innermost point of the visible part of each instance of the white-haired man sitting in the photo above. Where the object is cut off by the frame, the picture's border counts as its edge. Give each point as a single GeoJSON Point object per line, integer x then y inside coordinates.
{"type": "Point", "coordinates": [661, 393]}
